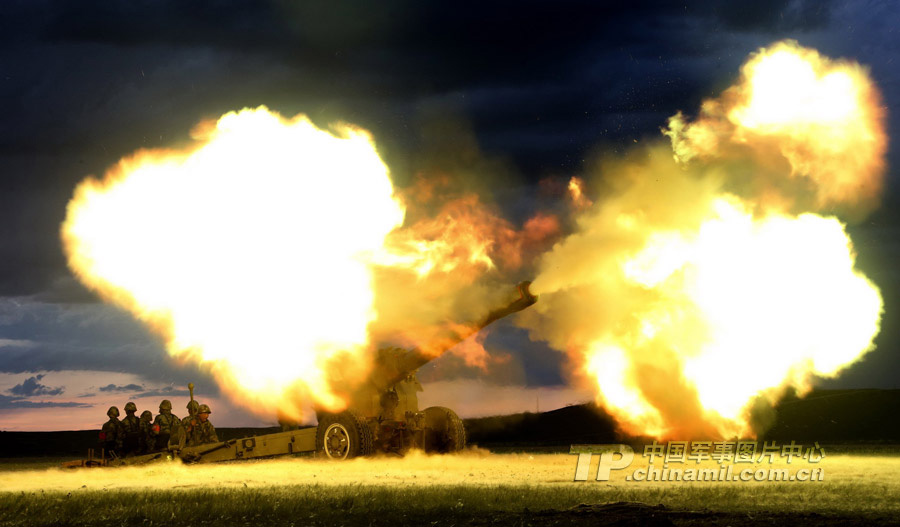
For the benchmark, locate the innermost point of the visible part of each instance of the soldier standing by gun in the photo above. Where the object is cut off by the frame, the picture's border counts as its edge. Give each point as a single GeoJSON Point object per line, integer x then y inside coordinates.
{"type": "Point", "coordinates": [131, 431]}
{"type": "Point", "coordinates": [146, 440]}
{"type": "Point", "coordinates": [164, 424]}
{"type": "Point", "coordinates": [204, 432]}
{"type": "Point", "coordinates": [111, 433]}
{"type": "Point", "coordinates": [189, 422]}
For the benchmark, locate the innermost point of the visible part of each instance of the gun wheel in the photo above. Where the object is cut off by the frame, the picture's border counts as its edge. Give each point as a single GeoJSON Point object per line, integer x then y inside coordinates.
{"type": "Point", "coordinates": [343, 436]}
{"type": "Point", "coordinates": [444, 431]}
{"type": "Point", "coordinates": [337, 441]}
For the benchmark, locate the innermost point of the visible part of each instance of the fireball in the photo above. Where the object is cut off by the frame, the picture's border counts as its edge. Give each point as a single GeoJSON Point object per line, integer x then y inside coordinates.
{"type": "Point", "coordinates": [707, 282]}
{"type": "Point", "coordinates": [246, 252]}
{"type": "Point", "coordinates": [274, 254]}
{"type": "Point", "coordinates": [715, 272]}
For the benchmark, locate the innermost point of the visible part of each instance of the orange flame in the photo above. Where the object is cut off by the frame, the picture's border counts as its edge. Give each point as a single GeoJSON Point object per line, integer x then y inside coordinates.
{"type": "Point", "coordinates": [820, 117]}
{"type": "Point", "coordinates": [274, 254]}
{"type": "Point", "coordinates": [702, 284]}
{"type": "Point", "coordinates": [440, 271]}
{"type": "Point", "coordinates": [576, 194]}
{"type": "Point", "coordinates": [277, 254]}
{"type": "Point", "coordinates": [224, 249]}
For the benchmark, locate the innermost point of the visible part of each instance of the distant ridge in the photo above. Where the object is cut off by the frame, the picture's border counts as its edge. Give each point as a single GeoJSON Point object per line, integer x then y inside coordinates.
{"type": "Point", "coordinates": [583, 423]}
{"type": "Point", "coordinates": [827, 416]}
{"type": "Point", "coordinates": [838, 415]}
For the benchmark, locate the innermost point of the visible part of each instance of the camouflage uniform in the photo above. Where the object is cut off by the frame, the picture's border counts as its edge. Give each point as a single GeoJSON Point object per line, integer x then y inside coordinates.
{"type": "Point", "coordinates": [111, 433]}
{"type": "Point", "coordinates": [204, 432]}
{"type": "Point", "coordinates": [187, 425]}
{"type": "Point", "coordinates": [146, 438]}
{"type": "Point", "coordinates": [131, 430]}
{"type": "Point", "coordinates": [164, 424]}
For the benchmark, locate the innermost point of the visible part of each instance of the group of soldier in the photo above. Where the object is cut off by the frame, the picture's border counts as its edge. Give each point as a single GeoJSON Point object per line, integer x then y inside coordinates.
{"type": "Point", "coordinates": [133, 436]}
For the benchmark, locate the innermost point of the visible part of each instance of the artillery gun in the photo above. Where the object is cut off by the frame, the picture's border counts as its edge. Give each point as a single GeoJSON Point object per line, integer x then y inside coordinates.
{"type": "Point", "coordinates": [382, 415]}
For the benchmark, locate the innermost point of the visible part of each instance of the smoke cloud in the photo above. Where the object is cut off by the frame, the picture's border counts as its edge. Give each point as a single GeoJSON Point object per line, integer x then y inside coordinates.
{"type": "Point", "coordinates": [701, 278]}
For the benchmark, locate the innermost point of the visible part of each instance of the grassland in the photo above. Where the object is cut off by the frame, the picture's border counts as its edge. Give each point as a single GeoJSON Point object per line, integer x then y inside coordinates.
{"type": "Point", "coordinates": [477, 488]}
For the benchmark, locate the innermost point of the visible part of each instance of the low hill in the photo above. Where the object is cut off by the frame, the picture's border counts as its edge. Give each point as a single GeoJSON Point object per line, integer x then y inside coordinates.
{"type": "Point", "coordinates": [826, 416]}
{"type": "Point", "coordinates": [837, 416]}
{"type": "Point", "coordinates": [583, 423]}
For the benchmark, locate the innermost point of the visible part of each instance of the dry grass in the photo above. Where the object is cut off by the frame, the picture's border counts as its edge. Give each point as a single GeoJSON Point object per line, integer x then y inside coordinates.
{"type": "Point", "coordinates": [418, 487]}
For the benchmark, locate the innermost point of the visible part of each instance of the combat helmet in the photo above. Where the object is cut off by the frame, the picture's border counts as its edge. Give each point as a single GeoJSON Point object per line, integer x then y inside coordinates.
{"type": "Point", "coordinates": [165, 405]}
{"type": "Point", "coordinates": [148, 414]}
{"type": "Point", "coordinates": [130, 407]}
{"type": "Point", "coordinates": [113, 411]}
{"type": "Point", "coordinates": [204, 409]}
{"type": "Point", "coordinates": [192, 407]}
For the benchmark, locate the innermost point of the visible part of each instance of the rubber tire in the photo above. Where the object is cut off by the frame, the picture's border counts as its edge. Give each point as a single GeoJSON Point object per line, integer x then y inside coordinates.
{"type": "Point", "coordinates": [444, 431]}
{"type": "Point", "coordinates": [362, 440]}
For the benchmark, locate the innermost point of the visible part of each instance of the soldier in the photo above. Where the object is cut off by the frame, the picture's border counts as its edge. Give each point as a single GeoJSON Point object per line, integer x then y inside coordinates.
{"type": "Point", "coordinates": [164, 424]}
{"type": "Point", "coordinates": [187, 424]}
{"type": "Point", "coordinates": [111, 433]}
{"type": "Point", "coordinates": [146, 438]}
{"type": "Point", "coordinates": [131, 431]}
{"type": "Point", "coordinates": [204, 432]}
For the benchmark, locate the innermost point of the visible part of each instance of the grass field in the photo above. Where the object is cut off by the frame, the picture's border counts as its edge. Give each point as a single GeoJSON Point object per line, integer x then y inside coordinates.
{"type": "Point", "coordinates": [477, 488]}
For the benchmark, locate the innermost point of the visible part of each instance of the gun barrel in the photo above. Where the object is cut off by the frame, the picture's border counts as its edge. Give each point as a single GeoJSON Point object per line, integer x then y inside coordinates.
{"type": "Point", "coordinates": [416, 358]}
{"type": "Point", "coordinates": [525, 300]}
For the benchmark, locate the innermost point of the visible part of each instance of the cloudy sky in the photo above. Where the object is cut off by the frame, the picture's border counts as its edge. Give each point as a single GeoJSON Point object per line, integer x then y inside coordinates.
{"type": "Point", "coordinates": [537, 86]}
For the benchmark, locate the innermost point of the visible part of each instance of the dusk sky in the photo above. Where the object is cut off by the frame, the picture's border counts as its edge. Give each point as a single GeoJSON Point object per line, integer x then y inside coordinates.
{"type": "Point", "coordinates": [535, 88]}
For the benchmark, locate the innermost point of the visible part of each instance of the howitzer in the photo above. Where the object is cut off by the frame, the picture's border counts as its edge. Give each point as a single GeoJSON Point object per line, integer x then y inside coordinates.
{"type": "Point", "coordinates": [394, 364]}
{"type": "Point", "coordinates": [383, 414]}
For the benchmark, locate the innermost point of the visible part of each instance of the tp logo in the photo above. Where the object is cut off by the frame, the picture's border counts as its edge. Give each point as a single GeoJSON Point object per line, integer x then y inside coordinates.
{"type": "Point", "coordinates": [608, 459]}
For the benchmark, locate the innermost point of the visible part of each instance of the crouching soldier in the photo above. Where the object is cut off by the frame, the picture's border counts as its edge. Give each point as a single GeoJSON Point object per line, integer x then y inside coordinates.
{"type": "Point", "coordinates": [111, 433]}
{"type": "Point", "coordinates": [147, 442]}
{"type": "Point", "coordinates": [164, 424]}
{"type": "Point", "coordinates": [204, 432]}
{"type": "Point", "coordinates": [131, 431]}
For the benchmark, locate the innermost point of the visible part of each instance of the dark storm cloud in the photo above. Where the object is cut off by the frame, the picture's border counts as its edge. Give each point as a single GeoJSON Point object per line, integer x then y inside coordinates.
{"type": "Point", "coordinates": [125, 388]}
{"type": "Point", "coordinates": [171, 392]}
{"type": "Point", "coordinates": [165, 391]}
{"type": "Point", "coordinates": [31, 387]}
{"type": "Point", "coordinates": [540, 85]}
{"type": "Point", "coordinates": [12, 403]}
{"type": "Point", "coordinates": [138, 391]}
{"type": "Point", "coordinates": [445, 37]}
{"type": "Point", "coordinates": [514, 361]}
{"type": "Point", "coordinates": [772, 15]}
{"type": "Point", "coordinates": [64, 290]}
{"type": "Point", "coordinates": [540, 81]}
{"type": "Point", "coordinates": [90, 336]}
{"type": "Point", "coordinates": [450, 41]}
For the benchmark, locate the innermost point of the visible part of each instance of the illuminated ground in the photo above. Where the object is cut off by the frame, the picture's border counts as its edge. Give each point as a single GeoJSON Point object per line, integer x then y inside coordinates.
{"type": "Point", "coordinates": [476, 488]}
